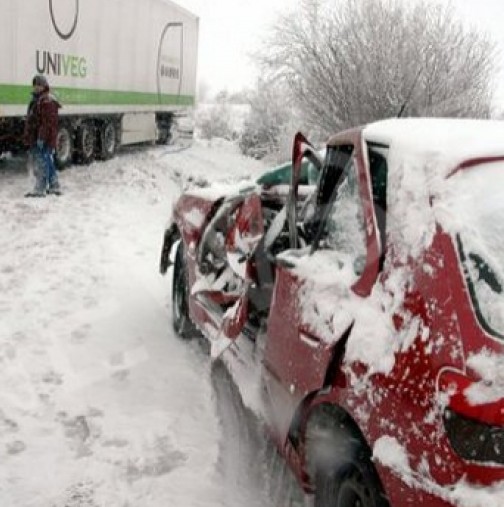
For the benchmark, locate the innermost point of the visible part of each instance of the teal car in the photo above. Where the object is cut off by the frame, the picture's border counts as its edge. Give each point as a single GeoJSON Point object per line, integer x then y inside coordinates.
{"type": "Point", "coordinates": [281, 175]}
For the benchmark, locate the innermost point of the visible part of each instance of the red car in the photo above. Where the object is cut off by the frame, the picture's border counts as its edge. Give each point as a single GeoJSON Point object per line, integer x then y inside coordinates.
{"type": "Point", "coordinates": [363, 316]}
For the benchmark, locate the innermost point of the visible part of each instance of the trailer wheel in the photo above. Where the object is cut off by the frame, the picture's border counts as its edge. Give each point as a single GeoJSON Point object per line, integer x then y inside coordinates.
{"type": "Point", "coordinates": [64, 147]}
{"type": "Point", "coordinates": [164, 133]}
{"type": "Point", "coordinates": [85, 144]}
{"type": "Point", "coordinates": [107, 141]}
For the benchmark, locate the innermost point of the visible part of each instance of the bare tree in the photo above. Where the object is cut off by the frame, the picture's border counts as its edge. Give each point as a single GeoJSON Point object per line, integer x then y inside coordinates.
{"type": "Point", "coordinates": [349, 62]}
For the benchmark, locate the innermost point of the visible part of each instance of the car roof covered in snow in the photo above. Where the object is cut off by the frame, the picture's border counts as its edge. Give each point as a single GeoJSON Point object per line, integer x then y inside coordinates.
{"type": "Point", "coordinates": [450, 140]}
{"type": "Point", "coordinates": [453, 140]}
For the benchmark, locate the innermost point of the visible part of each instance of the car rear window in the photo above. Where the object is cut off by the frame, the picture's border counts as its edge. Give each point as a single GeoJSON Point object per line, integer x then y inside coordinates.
{"type": "Point", "coordinates": [475, 201]}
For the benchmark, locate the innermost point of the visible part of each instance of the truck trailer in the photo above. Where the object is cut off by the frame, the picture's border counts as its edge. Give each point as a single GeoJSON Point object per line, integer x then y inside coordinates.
{"type": "Point", "coordinates": [123, 70]}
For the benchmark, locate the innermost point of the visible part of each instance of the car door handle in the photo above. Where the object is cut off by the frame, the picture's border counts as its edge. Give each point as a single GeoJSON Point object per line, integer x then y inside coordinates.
{"type": "Point", "coordinates": [311, 341]}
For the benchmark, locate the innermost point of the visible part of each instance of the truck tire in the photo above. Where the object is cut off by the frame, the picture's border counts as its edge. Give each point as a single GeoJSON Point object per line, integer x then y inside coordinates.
{"type": "Point", "coordinates": [182, 323]}
{"type": "Point", "coordinates": [64, 147]}
{"type": "Point", "coordinates": [85, 143]}
{"type": "Point", "coordinates": [107, 140]}
{"type": "Point", "coordinates": [340, 465]}
{"type": "Point", "coordinates": [164, 133]}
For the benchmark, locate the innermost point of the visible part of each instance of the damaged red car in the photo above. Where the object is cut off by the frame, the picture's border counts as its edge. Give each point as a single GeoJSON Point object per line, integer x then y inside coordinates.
{"type": "Point", "coordinates": [364, 309]}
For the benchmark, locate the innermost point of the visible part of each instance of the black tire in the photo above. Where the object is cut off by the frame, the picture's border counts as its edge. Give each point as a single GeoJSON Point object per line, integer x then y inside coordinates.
{"type": "Point", "coordinates": [164, 132]}
{"type": "Point", "coordinates": [64, 147]}
{"type": "Point", "coordinates": [182, 323]}
{"type": "Point", "coordinates": [340, 465]}
{"type": "Point", "coordinates": [85, 143]}
{"type": "Point", "coordinates": [107, 140]}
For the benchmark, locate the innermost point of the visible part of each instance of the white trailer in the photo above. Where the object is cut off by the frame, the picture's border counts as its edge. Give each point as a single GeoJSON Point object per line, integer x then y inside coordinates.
{"type": "Point", "coordinates": [123, 70]}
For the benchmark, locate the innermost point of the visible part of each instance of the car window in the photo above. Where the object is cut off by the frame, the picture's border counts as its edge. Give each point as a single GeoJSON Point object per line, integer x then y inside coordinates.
{"type": "Point", "coordinates": [377, 156]}
{"type": "Point", "coordinates": [282, 175]}
{"type": "Point", "coordinates": [343, 228]}
{"type": "Point", "coordinates": [473, 200]}
{"type": "Point", "coordinates": [312, 174]}
{"type": "Point", "coordinates": [336, 159]}
{"type": "Point", "coordinates": [277, 176]}
{"type": "Point", "coordinates": [485, 284]}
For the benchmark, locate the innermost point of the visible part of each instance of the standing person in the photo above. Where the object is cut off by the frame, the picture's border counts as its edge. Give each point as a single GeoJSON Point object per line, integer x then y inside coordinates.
{"type": "Point", "coordinates": [40, 134]}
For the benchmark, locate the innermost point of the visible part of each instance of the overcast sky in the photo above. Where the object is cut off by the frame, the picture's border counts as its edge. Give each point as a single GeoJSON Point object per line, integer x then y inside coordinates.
{"type": "Point", "coordinates": [229, 31]}
{"type": "Point", "coordinates": [232, 29]}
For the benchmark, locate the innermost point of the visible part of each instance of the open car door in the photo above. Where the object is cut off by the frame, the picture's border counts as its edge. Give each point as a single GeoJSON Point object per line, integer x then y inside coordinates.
{"type": "Point", "coordinates": [301, 149]}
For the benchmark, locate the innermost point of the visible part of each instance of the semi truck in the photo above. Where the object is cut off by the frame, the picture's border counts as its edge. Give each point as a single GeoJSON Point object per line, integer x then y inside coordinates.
{"type": "Point", "coordinates": [124, 71]}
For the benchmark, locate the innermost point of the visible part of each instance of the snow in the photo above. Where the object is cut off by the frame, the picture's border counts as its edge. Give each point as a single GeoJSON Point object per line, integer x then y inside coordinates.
{"type": "Point", "coordinates": [488, 366]}
{"type": "Point", "coordinates": [422, 153]}
{"type": "Point", "coordinates": [195, 217]}
{"type": "Point", "coordinates": [100, 403]}
{"type": "Point", "coordinates": [217, 190]}
{"type": "Point", "coordinates": [451, 139]}
{"type": "Point", "coordinates": [390, 453]}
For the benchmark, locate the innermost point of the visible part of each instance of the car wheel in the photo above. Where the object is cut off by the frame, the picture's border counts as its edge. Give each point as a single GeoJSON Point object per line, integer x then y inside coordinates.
{"type": "Point", "coordinates": [85, 143]}
{"type": "Point", "coordinates": [340, 466]}
{"type": "Point", "coordinates": [349, 488]}
{"type": "Point", "coordinates": [182, 323]}
{"type": "Point", "coordinates": [107, 142]}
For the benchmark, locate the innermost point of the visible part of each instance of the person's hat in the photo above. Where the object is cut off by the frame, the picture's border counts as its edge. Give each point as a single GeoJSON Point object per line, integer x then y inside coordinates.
{"type": "Point", "coordinates": [40, 80]}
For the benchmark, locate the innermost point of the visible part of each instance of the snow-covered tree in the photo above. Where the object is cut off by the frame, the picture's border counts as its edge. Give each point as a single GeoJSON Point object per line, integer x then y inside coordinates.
{"type": "Point", "coordinates": [215, 121]}
{"type": "Point", "coordinates": [349, 62]}
{"type": "Point", "coordinates": [266, 121]}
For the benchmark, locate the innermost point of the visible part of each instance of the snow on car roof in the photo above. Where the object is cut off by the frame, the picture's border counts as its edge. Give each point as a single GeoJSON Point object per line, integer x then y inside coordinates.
{"type": "Point", "coordinates": [452, 140]}
{"type": "Point", "coordinates": [422, 153]}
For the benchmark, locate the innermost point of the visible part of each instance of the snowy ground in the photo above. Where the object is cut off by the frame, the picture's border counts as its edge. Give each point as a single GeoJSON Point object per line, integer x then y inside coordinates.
{"type": "Point", "coordinates": [100, 404]}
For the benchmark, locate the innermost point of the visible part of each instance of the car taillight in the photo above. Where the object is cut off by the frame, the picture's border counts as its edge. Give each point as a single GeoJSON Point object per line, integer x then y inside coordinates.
{"type": "Point", "coordinates": [473, 440]}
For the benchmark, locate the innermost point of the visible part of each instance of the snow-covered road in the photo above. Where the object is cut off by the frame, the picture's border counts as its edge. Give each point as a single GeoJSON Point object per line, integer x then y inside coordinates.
{"type": "Point", "coordinates": [100, 404]}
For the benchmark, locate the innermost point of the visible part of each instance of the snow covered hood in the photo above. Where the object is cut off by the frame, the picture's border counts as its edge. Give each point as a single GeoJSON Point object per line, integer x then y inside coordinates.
{"type": "Point", "coordinates": [220, 189]}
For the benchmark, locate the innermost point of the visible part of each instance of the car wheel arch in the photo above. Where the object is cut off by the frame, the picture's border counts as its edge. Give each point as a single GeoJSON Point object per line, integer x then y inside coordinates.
{"type": "Point", "coordinates": [325, 412]}
{"type": "Point", "coordinates": [333, 441]}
